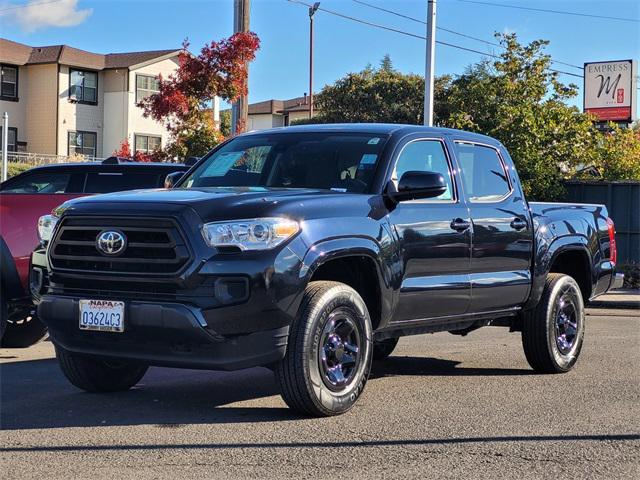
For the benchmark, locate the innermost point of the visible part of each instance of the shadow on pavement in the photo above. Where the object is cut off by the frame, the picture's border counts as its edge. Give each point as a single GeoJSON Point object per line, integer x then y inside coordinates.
{"type": "Point", "coordinates": [426, 366]}
{"type": "Point", "coordinates": [350, 444]}
{"type": "Point", "coordinates": [34, 394]}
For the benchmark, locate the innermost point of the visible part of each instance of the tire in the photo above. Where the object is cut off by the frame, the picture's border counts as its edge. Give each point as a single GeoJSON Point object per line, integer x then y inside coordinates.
{"type": "Point", "coordinates": [4, 313]}
{"type": "Point", "coordinates": [553, 332]}
{"type": "Point", "coordinates": [24, 333]}
{"type": "Point", "coordinates": [383, 348]}
{"type": "Point", "coordinates": [322, 374]}
{"type": "Point", "coordinates": [96, 375]}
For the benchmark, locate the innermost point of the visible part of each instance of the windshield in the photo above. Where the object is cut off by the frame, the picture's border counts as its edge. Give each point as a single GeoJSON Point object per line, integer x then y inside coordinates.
{"type": "Point", "coordinates": [337, 161]}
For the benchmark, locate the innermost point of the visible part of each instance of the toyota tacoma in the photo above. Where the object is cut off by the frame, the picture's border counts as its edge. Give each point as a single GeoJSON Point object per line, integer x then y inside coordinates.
{"type": "Point", "coordinates": [311, 250]}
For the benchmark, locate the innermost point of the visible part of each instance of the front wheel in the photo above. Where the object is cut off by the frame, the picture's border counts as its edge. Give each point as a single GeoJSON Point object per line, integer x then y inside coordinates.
{"type": "Point", "coordinates": [97, 375]}
{"type": "Point", "coordinates": [329, 351]}
{"type": "Point", "coordinates": [553, 332]}
{"type": "Point", "coordinates": [24, 333]}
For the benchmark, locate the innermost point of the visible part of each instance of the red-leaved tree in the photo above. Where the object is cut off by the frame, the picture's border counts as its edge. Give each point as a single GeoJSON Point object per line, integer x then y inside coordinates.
{"type": "Point", "coordinates": [184, 97]}
{"type": "Point", "coordinates": [124, 151]}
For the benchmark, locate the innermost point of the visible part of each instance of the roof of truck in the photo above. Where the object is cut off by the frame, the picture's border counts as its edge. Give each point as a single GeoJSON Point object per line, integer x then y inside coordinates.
{"type": "Point", "coordinates": [378, 128]}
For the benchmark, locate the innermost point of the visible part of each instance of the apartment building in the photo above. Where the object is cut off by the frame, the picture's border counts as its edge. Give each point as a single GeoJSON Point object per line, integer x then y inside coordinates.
{"type": "Point", "coordinates": [66, 101]}
{"type": "Point", "coordinates": [277, 113]}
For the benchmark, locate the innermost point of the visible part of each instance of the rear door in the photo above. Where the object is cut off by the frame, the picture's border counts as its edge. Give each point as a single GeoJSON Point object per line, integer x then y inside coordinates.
{"type": "Point", "coordinates": [435, 245]}
{"type": "Point", "coordinates": [502, 234]}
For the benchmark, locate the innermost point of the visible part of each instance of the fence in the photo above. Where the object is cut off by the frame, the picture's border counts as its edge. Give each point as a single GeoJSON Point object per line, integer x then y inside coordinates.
{"type": "Point", "coordinates": [623, 203]}
{"type": "Point", "coordinates": [35, 159]}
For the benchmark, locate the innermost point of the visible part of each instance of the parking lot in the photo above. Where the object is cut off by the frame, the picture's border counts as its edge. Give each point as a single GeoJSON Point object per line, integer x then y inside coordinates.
{"type": "Point", "coordinates": [442, 406]}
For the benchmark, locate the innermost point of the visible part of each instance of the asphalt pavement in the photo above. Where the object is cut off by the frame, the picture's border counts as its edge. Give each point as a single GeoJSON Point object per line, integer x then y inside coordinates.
{"type": "Point", "coordinates": [442, 406]}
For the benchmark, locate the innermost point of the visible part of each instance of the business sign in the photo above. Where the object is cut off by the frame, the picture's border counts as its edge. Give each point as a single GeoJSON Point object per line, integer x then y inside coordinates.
{"type": "Point", "coordinates": [610, 90]}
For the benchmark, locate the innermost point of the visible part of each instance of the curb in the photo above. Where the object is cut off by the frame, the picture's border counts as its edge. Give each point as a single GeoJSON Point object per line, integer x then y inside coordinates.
{"type": "Point", "coordinates": [626, 305]}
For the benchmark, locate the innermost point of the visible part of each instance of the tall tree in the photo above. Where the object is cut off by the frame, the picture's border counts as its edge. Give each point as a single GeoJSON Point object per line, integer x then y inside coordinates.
{"type": "Point", "coordinates": [183, 99]}
{"type": "Point", "coordinates": [520, 101]}
{"type": "Point", "coordinates": [381, 95]}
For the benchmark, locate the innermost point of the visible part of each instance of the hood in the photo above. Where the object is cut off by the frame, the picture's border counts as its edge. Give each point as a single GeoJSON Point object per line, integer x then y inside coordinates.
{"type": "Point", "coordinates": [225, 203]}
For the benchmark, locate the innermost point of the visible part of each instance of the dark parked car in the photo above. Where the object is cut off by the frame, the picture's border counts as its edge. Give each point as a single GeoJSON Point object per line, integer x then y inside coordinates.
{"type": "Point", "coordinates": [35, 192]}
{"type": "Point", "coordinates": [311, 250]}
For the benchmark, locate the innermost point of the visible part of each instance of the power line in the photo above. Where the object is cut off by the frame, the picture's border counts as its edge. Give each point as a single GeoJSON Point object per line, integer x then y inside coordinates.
{"type": "Point", "coordinates": [408, 34]}
{"type": "Point", "coordinates": [460, 34]}
{"type": "Point", "coordinates": [561, 12]}
{"type": "Point", "coordinates": [27, 5]}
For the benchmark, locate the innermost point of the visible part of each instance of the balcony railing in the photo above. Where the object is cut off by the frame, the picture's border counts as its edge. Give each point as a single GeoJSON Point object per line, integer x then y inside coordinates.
{"type": "Point", "coordinates": [34, 159]}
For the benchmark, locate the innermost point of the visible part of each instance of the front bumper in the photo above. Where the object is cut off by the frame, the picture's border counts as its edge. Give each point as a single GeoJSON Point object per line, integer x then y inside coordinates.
{"type": "Point", "coordinates": [162, 334]}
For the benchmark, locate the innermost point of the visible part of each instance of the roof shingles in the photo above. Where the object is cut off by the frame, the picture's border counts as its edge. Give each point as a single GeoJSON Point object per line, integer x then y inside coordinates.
{"type": "Point", "coordinates": [20, 54]}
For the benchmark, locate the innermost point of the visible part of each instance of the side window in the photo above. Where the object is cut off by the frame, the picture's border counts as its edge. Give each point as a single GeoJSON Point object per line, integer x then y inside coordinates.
{"type": "Point", "coordinates": [107, 182]}
{"type": "Point", "coordinates": [425, 156]}
{"type": "Point", "coordinates": [483, 174]}
{"type": "Point", "coordinates": [49, 182]}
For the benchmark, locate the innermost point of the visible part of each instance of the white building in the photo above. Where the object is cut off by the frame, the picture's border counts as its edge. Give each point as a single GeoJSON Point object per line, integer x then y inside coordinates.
{"type": "Point", "coordinates": [62, 100]}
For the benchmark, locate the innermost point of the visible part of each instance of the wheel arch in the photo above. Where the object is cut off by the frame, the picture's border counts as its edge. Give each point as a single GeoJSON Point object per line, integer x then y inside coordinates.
{"type": "Point", "coordinates": [570, 255]}
{"type": "Point", "coordinates": [356, 262]}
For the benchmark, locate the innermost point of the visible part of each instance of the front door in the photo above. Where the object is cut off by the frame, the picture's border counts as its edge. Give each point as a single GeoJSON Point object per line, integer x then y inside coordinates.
{"type": "Point", "coordinates": [434, 238]}
{"type": "Point", "coordinates": [502, 234]}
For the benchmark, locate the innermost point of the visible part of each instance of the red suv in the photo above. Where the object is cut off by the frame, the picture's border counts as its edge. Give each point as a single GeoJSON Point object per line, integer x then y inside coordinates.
{"type": "Point", "coordinates": [31, 194]}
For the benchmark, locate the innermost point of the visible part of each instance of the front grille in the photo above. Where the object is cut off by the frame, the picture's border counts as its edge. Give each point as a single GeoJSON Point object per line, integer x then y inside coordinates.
{"type": "Point", "coordinates": [155, 247]}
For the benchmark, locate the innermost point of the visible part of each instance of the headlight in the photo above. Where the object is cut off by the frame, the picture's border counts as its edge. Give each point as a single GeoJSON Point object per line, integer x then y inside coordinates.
{"type": "Point", "coordinates": [252, 234]}
{"type": "Point", "coordinates": [46, 224]}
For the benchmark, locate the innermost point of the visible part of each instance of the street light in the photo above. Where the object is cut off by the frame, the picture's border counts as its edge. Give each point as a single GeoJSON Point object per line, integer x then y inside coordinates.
{"type": "Point", "coordinates": [312, 10]}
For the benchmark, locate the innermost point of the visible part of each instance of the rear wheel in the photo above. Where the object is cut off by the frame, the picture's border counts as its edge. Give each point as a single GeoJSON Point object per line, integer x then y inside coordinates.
{"type": "Point", "coordinates": [329, 351]}
{"type": "Point", "coordinates": [553, 332]}
{"type": "Point", "coordinates": [24, 333]}
{"type": "Point", "coordinates": [383, 348]}
{"type": "Point", "coordinates": [97, 375]}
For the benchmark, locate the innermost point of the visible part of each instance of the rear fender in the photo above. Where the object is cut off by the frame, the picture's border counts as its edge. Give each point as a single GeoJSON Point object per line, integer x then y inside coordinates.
{"type": "Point", "coordinates": [546, 256]}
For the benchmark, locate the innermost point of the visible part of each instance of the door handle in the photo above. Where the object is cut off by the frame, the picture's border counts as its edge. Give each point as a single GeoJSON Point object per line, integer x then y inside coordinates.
{"type": "Point", "coordinates": [518, 224]}
{"type": "Point", "coordinates": [459, 225]}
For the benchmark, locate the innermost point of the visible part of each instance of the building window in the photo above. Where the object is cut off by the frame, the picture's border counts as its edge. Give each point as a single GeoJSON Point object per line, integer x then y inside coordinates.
{"type": "Point", "coordinates": [83, 143]}
{"type": "Point", "coordinates": [12, 140]}
{"type": "Point", "coordinates": [9, 82]}
{"type": "Point", "coordinates": [83, 86]}
{"type": "Point", "coordinates": [147, 143]}
{"type": "Point", "coordinates": [146, 85]}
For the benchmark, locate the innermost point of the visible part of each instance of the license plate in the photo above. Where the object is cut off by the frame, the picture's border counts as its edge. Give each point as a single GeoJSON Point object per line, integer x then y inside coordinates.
{"type": "Point", "coordinates": [102, 315]}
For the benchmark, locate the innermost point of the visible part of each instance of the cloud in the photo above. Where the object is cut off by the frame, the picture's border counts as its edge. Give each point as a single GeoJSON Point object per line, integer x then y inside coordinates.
{"type": "Point", "coordinates": [36, 14]}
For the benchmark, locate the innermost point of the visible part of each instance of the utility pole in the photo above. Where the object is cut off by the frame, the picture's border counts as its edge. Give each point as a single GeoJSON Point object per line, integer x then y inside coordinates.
{"type": "Point", "coordinates": [430, 63]}
{"type": "Point", "coordinates": [5, 144]}
{"type": "Point", "coordinates": [240, 109]}
{"type": "Point", "coordinates": [312, 10]}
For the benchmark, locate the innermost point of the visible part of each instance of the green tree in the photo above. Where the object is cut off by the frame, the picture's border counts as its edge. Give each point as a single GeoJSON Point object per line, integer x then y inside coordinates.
{"type": "Point", "coordinates": [225, 123]}
{"type": "Point", "coordinates": [381, 95]}
{"type": "Point", "coordinates": [521, 102]}
{"type": "Point", "coordinates": [617, 154]}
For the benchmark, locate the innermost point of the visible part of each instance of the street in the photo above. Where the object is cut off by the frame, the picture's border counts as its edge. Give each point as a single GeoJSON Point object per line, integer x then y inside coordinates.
{"type": "Point", "coordinates": [442, 406]}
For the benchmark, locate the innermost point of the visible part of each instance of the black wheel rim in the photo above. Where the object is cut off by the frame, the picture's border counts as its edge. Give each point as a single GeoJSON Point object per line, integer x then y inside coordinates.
{"type": "Point", "coordinates": [566, 322]}
{"type": "Point", "coordinates": [339, 352]}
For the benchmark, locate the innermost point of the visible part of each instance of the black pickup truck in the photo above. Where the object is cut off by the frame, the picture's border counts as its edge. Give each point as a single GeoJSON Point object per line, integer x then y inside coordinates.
{"type": "Point", "coordinates": [311, 250]}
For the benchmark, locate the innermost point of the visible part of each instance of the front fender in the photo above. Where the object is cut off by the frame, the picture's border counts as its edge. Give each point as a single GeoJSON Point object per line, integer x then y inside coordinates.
{"type": "Point", "coordinates": [343, 247]}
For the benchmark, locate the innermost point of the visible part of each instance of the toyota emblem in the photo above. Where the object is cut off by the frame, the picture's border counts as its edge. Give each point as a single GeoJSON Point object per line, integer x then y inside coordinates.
{"type": "Point", "coordinates": [111, 242]}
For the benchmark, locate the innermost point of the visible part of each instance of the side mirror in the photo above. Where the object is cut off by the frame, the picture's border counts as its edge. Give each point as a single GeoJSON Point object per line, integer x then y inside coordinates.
{"type": "Point", "coordinates": [414, 185]}
{"type": "Point", "coordinates": [172, 179]}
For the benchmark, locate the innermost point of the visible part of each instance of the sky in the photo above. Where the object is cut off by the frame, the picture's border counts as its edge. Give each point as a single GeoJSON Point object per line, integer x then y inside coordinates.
{"type": "Point", "coordinates": [281, 68]}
